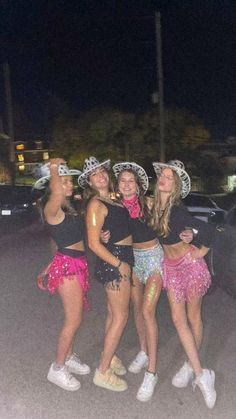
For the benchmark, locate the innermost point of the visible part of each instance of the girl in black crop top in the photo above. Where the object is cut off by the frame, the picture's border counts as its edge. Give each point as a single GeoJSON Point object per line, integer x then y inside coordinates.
{"type": "Point", "coordinates": [67, 273]}
{"type": "Point", "coordinates": [113, 269]}
{"type": "Point", "coordinates": [186, 276]}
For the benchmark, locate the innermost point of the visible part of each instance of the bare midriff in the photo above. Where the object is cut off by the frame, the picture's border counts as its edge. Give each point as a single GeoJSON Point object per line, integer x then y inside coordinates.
{"type": "Point", "coordinates": [146, 245]}
{"type": "Point", "coordinates": [77, 246]}
{"type": "Point", "coordinates": [125, 242]}
{"type": "Point", "coordinates": [177, 250]}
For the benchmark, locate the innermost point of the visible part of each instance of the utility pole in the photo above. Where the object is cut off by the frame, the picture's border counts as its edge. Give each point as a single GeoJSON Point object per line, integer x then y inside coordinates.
{"type": "Point", "coordinates": [10, 125]}
{"type": "Point", "coordinates": [160, 84]}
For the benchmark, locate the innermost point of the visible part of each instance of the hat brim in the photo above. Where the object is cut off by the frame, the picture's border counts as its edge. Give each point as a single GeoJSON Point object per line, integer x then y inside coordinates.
{"type": "Point", "coordinates": [42, 182]}
{"type": "Point", "coordinates": [83, 178]}
{"type": "Point", "coordinates": [183, 175]}
{"type": "Point", "coordinates": [139, 170]}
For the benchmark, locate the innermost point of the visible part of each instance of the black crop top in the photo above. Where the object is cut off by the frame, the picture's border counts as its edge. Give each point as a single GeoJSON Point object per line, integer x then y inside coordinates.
{"type": "Point", "coordinates": [68, 232]}
{"type": "Point", "coordinates": [140, 231]}
{"type": "Point", "coordinates": [179, 220]}
{"type": "Point", "coordinates": [117, 222]}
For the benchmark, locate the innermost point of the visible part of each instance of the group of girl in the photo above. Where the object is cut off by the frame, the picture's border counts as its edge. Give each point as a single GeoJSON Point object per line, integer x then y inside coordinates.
{"type": "Point", "coordinates": [142, 245]}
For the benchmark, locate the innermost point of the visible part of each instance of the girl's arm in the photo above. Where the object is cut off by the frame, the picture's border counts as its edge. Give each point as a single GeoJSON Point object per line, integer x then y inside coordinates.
{"type": "Point", "coordinates": [52, 210]}
{"type": "Point", "coordinates": [96, 213]}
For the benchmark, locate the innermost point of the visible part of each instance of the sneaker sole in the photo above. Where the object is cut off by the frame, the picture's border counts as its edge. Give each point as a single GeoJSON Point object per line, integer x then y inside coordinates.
{"type": "Point", "coordinates": [145, 399]}
{"type": "Point", "coordinates": [74, 371]}
{"type": "Point", "coordinates": [107, 387]}
{"type": "Point", "coordinates": [65, 387]}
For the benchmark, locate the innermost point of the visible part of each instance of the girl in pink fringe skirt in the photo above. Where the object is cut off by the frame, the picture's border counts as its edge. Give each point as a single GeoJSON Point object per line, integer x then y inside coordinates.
{"type": "Point", "coordinates": [185, 274]}
{"type": "Point", "coordinates": [67, 274]}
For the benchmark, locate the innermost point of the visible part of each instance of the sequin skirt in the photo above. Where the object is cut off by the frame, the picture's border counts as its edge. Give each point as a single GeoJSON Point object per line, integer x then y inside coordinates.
{"type": "Point", "coordinates": [63, 266]}
{"type": "Point", "coordinates": [185, 277]}
{"type": "Point", "coordinates": [148, 262]}
{"type": "Point", "coordinates": [109, 275]}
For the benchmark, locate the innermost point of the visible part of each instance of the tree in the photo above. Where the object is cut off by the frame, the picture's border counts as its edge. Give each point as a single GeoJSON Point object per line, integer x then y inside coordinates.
{"type": "Point", "coordinates": [123, 135]}
{"type": "Point", "coordinates": [184, 133]}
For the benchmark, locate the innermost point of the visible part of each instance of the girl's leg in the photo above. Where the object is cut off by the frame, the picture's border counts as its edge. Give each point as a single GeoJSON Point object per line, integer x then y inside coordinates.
{"type": "Point", "coordinates": [72, 299]}
{"type": "Point", "coordinates": [119, 304]}
{"type": "Point", "coordinates": [179, 317]}
{"type": "Point", "coordinates": [195, 319]}
{"type": "Point", "coordinates": [109, 317]}
{"type": "Point", "coordinates": [137, 300]}
{"type": "Point", "coordinates": [152, 292]}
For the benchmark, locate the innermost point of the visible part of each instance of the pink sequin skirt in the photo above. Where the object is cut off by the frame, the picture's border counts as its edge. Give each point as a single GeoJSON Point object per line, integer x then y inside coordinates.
{"type": "Point", "coordinates": [185, 277]}
{"type": "Point", "coordinates": [63, 266]}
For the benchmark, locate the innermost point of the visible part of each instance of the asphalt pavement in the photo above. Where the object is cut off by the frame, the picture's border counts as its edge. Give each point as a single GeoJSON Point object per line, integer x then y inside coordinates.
{"type": "Point", "coordinates": [31, 319]}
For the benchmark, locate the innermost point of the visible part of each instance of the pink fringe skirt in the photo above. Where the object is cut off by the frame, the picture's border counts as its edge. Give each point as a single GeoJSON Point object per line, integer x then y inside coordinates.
{"type": "Point", "coordinates": [62, 267]}
{"type": "Point", "coordinates": [185, 277]}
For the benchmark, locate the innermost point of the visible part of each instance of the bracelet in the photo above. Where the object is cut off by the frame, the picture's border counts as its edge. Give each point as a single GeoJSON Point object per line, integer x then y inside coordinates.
{"type": "Point", "coordinates": [119, 264]}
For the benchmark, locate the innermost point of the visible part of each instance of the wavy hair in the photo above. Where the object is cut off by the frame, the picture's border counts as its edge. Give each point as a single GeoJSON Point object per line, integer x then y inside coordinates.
{"type": "Point", "coordinates": [159, 217]}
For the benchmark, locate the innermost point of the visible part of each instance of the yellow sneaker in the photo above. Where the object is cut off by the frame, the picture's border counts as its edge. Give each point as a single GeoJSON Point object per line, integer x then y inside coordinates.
{"type": "Point", "coordinates": [109, 381]}
{"type": "Point", "coordinates": [117, 367]}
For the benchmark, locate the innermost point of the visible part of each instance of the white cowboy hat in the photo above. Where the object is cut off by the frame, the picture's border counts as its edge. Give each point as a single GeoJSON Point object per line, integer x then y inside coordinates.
{"type": "Point", "coordinates": [90, 165]}
{"type": "Point", "coordinates": [139, 170]}
{"type": "Point", "coordinates": [44, 172]}
{"type": "Point", "coordinates": [178, 167]}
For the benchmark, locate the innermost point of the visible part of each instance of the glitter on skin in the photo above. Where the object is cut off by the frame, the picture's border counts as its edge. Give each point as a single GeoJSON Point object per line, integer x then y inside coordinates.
{"type": "Point", "coordinates": [152, 292]}
{"type": "Point", "coordinates": [94, 220]}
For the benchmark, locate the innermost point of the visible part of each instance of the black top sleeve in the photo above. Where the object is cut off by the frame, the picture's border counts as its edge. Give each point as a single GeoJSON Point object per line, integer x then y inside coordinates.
{"type": "Point", "coordinates": [180, 219]}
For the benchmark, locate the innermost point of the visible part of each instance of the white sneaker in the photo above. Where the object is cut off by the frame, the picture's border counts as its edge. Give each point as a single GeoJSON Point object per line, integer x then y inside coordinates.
{"type": "Point", "coordinates": [146, 389]}
{"type": "Point", "coordinates": [206, 383]}
{"type": "Point", "coordinates": [75, 365]}
{"type": "Point", "coordinates": [183, 376]}
{"type": "Point", "coordinates": [62, 378]}
{"type": "Point", "coordinates": [139, 362]}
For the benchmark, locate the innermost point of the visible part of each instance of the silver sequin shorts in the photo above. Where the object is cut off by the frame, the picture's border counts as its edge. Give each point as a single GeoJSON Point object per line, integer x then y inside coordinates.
{"type": "Point", "coordinates": [148, 262]}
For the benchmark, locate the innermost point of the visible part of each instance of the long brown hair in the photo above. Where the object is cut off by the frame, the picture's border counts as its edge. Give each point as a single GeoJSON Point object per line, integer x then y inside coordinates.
{"type": "Point", "coordinates": [67, 207]}
{"type": "Point", "coordinates": [160, 217]}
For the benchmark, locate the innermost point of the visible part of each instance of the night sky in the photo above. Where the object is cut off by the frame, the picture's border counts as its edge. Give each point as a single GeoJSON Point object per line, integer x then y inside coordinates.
{"type": "Point", "coordinates": [103, 53]}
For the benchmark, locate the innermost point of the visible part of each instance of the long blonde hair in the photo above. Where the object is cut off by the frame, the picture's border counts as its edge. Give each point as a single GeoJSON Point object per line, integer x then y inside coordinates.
{"type": "Point", "coordinates": [160, 217]}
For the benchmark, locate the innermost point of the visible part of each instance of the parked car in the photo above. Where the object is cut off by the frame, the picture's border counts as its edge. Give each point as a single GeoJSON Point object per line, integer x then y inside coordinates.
{"type": "Point", "coordinates": [16, 202]}
{"type": "Point", "coordinates": [204, 208]}
{"type": "Point", "coordinates": [231, 217]}
{"type": "Point", "coordinates": [222, 259]}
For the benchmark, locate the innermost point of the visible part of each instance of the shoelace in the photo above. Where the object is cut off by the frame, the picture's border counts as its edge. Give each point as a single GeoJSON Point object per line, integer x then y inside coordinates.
{"type": "Point", "coordinates": [117, 362]}
{"type": "Point", "coordinates": [75, 357]}
{"type": "Point", "coordinates": [68, 375]}
{"type": "Point", "coordinates": [112, 378]}
{"type": "Point", "coordinates": [146, 383]}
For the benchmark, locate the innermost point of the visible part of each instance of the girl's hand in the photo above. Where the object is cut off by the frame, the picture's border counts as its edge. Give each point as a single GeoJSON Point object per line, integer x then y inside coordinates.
{"type": "Point", "coordinates": [186, 236]}
{"type": "Point", "coordinates": [125, 270]}
{"type": "Point", "coordinates": [56, 162]}
{"type": "Point", "coordinates": [105, 236]}
{"type": "Point", "coordinates": [199, 253]}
